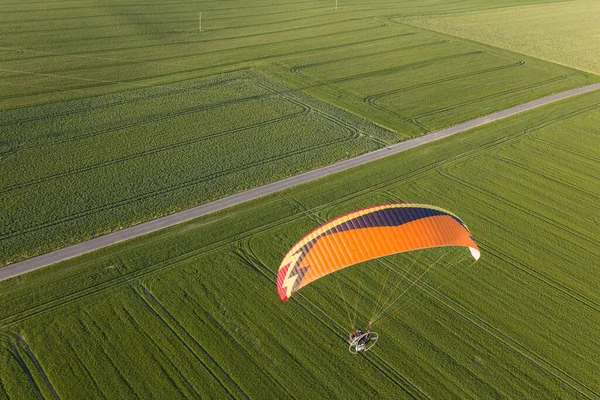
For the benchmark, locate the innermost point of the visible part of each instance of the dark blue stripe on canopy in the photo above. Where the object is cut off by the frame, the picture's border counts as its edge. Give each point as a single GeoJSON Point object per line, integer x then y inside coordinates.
{"type": "Point", "coordinates": [388, 217]}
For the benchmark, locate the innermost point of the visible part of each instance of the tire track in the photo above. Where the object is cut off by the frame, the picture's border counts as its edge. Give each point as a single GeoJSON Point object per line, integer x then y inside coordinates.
{"type": "Point", "coordinates": [251, 260]}
{"type": "Point", "coordinates": [566, 149]}
{"type": "Point", "coordinates": [390, 70]}
{"type": "Point", "coordinates": [554, 179]}
{"type": "Point", "coordinates": [80, 361]}
{"type": "Point", "coordinates": [72, 111]}
{"type": "Point", "coordinates": [510, 343]}
{"type": "Point", "coordinates": [28, 373]}
{"type": "Point", "coordinates": [138, 123]}
{"type": "Point", "coordinates": [164, 13]}
{"type": "Point", "coordinates": [296, 70]}
{"type": "Point", "coordinates": [154, 151]}
{"type": "Point", "coordinates": [21, 344]}
{"type": "Point", "coordinates": [552, 283]}
{"type": "Point", "coordinates": [169, 189]}
{"type": "Point", "coordinates": [536, 360]}
{"type": "Point", "coordinates": [134, 81]}
{"type": "Point", "coordinates": [167, 23]}
{"type": "Point", "coordinates": [581, 235]}
{"type": "Point", "coordinates": [491, 96]}
{"type": "Point", "coordinates": [162, 60]}
{"type": "Point", "coordinates": [190, 343]}
{"type": "Point", "coordinates": [374, 98]}
{"type": "Point", "coordinates": [318, 49]}
{"type": "Point", "coordinates": [221, 39]}
{"type": "Point", "coordinates": [410, 175]}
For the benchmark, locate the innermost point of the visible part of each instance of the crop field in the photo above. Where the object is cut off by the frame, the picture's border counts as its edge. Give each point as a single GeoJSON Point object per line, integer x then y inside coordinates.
{"type": "Point", "coordinates": [419, 81]}
{"type": "Point", "coordinates": [116, 112]}
{"type": "Point", "coordinates": [161, 149]}
{"type": "Point", "coordinates": [572, 38]}
{"type": "Point", "coordinates": [60, 50]}
{"type": "Point", "coordinates": [192, 311]}
{"type": "Point", "coordinates": [112, 114]}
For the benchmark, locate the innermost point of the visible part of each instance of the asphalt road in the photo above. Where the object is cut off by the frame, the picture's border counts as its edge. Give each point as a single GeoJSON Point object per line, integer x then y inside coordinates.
{"type": "Point", "coordinates": [44, 260]}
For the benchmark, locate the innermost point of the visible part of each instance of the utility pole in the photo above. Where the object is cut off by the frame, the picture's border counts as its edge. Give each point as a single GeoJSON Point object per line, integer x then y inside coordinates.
{"type": "Point", "coordinates": [336, 4]}
{"type": "Point", "coordinates": [200, 22]}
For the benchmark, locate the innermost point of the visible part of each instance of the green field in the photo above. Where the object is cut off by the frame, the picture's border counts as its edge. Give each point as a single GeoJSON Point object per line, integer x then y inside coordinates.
{"type": "Point", "coordinates": [572, 37]}
{"type": "Point", "coordinates": [112, 114]}
{"type": "Point", "coordinates": [77, 168]}
{"type": "Point", "coordinates": [116, 112]}
{"type": "Point", "coordinates": [192, 311]}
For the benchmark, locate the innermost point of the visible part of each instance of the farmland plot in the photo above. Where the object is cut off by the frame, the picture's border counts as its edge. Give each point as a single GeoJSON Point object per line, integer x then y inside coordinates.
{"type": "Point", "coordinates": [572, 38]}
{"type": "Point", "coordinates": [198, 304]}
{"type": "Point", "coordinates": [76, 169]}
{"type": "Point", "coordinates": [421, 81]}
{"type": "Point", "coordinates": [100, 128]}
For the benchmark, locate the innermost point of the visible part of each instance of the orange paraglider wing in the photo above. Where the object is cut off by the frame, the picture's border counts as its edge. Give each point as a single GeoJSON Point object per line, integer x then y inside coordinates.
{"type": "Point", "coordinates": [367, 234]}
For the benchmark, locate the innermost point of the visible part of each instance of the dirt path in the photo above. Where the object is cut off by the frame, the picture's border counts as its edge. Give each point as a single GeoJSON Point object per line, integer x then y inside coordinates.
{"type": "Point", "coordinates": [44, 260]}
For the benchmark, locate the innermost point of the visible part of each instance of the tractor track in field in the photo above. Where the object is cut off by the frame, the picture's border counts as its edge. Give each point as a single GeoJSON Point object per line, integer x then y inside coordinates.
{"type": "Point", "coordinates": [500, 199]}
{"type": "Point", "coordinates": [433, 166]}
{"type": "Point", "coordinates": [153, 151]}
{"type": "Point", "coordinates": [192, 393]}
{"type": "Point", "coordinates": [189, 342]}
{"type": "Point", "coordinates": [137, 14]}
{"type": "Point", "coordinates": [72, 111]}
{"type": "Point", "coordinates": [141, 38]}
{"type": "Point", "coordinates": [374, 98]}
{"type": "Point", "coordinates": [221, 39]}
{"type": "Point", "coordinates": [81, 359]}
{"type": "Point", "coordinates": [254, 262]}
{"type": "Point", "coordinates": [554, 284]}
{"type": "Point", "coordinates": [144, 288]}
{"type": "Point", "coordinates": [391, 70]}
{"type": "Point", "coordinates": [138, 123]}
{"type": "Point", "coordinates": [296, 70]}
{"type": "Point", "coordinates": [551, 178]}
{"type": "Point", "coordinates": [14, 351]}
{"type": "Point", "coordinates": [539, 84]}
{"type": "Point", "coordinates": [119, 374]}
{"type": "Point", "coordinates": [566, 149]}
{"type": "Point", "coordinates": [158, 60]}
{"type": "Point", "coordinates": [168, 189]}
{"type": "Point", "coordinates": [18, 345]}
{"type": "Point", "coordinates": [451, 305]}
{"type": "Point", "coordinates": [507, 341]}
{"type": "Point", "coordinates": [164, 61]}
{"type": "Point", "coordinates": [135, 81]}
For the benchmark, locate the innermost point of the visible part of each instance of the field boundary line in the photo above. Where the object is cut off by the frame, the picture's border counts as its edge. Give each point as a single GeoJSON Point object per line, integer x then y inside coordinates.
{"type": "Point", "coordinates": [100, 242]}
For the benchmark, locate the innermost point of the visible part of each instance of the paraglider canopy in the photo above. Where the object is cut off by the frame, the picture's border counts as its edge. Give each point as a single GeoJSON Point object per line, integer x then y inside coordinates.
{"type": "Point", "coordinates": [367, 234]}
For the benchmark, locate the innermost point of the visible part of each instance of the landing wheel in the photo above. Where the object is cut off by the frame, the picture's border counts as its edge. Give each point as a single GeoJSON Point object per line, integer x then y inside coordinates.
{"type": "Point", "coordinates": [355, 347]}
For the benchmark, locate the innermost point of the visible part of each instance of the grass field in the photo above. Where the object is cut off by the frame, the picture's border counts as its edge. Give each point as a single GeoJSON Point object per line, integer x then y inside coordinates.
{"type": "Point", "coordinates": [116, 112]}
{"type": "Point", "coordinates": [77, 168]}
{"type": "Point", "coordinates": [119, 112]}
{"type": "Point", "coordinates": [565, 33]}
{"type": "Point", "coordinates": [192, 311]}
